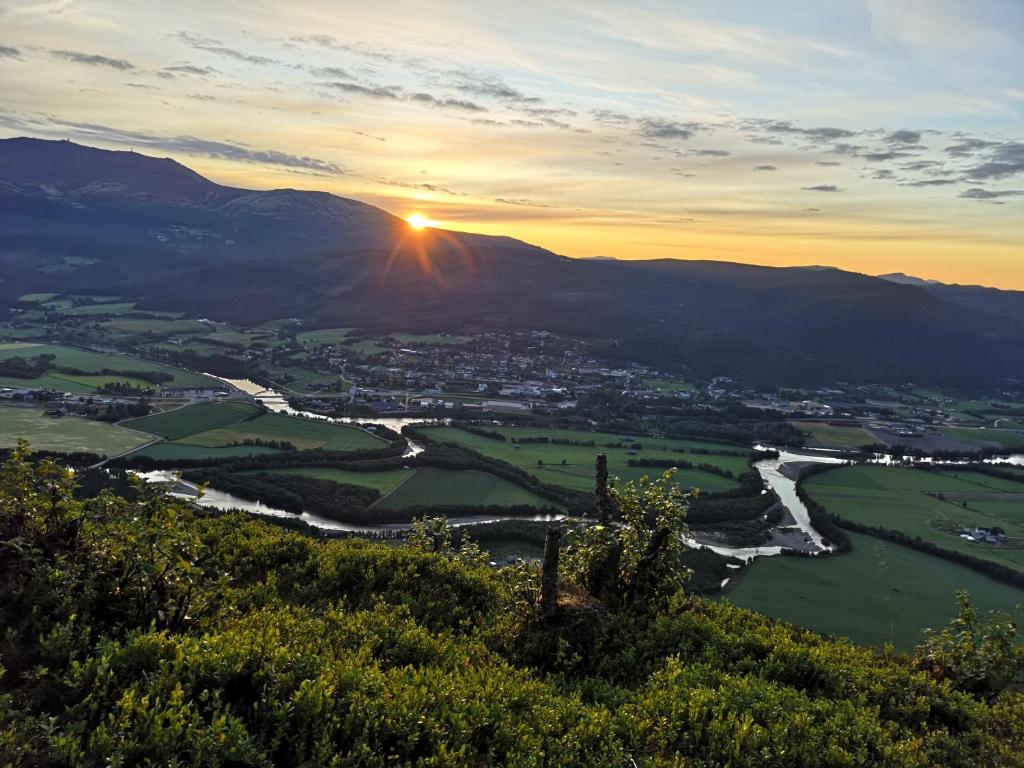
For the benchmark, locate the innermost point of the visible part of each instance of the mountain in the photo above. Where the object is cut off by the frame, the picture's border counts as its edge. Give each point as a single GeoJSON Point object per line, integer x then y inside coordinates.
{"type": "Point", "coordinates": [87, 220]}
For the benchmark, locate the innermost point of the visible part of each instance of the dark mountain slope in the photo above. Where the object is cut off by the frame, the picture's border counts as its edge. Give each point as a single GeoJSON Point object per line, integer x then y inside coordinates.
{"type": "Point", "coordinates": [160, 232]}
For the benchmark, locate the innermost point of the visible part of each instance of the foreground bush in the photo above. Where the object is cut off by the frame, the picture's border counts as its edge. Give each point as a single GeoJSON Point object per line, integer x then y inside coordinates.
{"type": "Point", "coordinates": [138, 632]}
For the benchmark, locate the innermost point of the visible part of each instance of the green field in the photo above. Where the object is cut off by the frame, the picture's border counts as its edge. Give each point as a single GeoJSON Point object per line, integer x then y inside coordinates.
{"type": "Point", "coordinates": [460, 488]}
{"type": "Point", "coordinates": [65, 434]}
{"type": "Point", "coordinates": [908, 500]}
{"type": "Point", "coordinates": [302, 433]}
{"type": "Point", "coordinates": [168, 326]}
{"type": "Point", "coordinates": [87, 310]}
{"type": "Point", "coordinates": [37, 298]}
{"type": "Point", "coordinates": [1003, 437]}
{"type": "Point", "coordinates": [835, 436]}
{"type": "Point", "coordinates": [367, 347]}
{"type": "Point", "coordinates": [423, 339]}
{"type": "Point", "coordinates": [578, 470]}
{"type": "Point", "coordinates": [383, 481]}
{"type": "Point", "coordinates": [669, 387]}
{"type": "Point", "coordinates": [878, 592]}
{"type": "Point", "coordinates": [323, 336]}
{"type": "Point", "coordinates": [83, 360]}
{"type": "Point", "coordinates": [181, 451]}
{"type": "Point", "coordinates": [182, 422]}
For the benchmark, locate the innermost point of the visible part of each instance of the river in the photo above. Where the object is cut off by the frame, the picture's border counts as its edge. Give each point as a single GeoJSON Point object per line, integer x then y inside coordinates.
{"type": "Point", "coordinates": [769, 469]}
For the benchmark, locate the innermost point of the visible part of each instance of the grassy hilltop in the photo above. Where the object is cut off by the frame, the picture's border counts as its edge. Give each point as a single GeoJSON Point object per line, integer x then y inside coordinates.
{"type": "Point", "coordinates": [135, 631]}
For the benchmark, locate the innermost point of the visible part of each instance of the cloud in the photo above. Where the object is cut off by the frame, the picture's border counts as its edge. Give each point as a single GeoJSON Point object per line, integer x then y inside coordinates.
{"type": "Point", "coordinates": [823, 188]}
{"type": "Point", "coordinates": [203, 43]}
{"type": "Point", "coordinates": [491, 87]}
{"type": "Point", "coordinates": [931, 183]}
{"type": "Point", "coordinates": [93, 59]}
{"type": "Point", "coordinates": [968, 146]}
{"type": "Point", "coordinates": [462, 104]}
{"type": "Point", "coordinates": [765, 168]}
{"type": "Point", "coordinates": [988, 195]}
{"type": "Point", "coordinates": [190, 69]}
{"type": "Point", "coordinates": [704, 153]}
{"type": "Point", "coordinates": [878, 157]}
{"type": "Point", "coordinates": [9, 52]}
{"type": "Point", "coordinates": [827, 162]}
{"type": "Point", "coordinates": [1006, 160]}
{"type": "Point", "coordinates": [659, 128]}
{"type": "Point", "coordinates": [183, 144]}
{"type": "Point", "coordinates": [903, 137]}
{"type": "Point", "coordinates": [819, 134]}
{"type": "Point", "coordinates": [373, 91]}
{"type": "Point", "coordinates": [331, 72]}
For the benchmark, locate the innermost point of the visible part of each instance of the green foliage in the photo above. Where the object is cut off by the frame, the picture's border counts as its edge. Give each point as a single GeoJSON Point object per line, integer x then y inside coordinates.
{"type": "Point", "coordinates": [642, 541]}
{"type": "Point", "coordinates": [139, 632]}
{"type": "Point", "coordinates": [979, 657]}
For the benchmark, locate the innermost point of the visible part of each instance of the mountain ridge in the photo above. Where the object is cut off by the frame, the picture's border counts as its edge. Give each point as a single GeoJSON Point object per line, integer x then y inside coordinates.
{"type": "Point", "coordinates": [157, 231]}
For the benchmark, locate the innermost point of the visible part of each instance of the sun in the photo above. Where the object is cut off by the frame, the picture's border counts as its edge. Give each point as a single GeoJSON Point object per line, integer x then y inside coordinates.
{"type": "Point", "coordinates": [418, 221]}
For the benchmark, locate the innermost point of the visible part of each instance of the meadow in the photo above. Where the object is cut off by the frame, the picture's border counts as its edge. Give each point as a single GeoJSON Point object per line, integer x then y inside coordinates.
{"type": "Point", "coordinates": [302, 433]}
{"type": "Point", "coordinates": [930, 505]}
{"type": "Point", "coordinates": [578, 470]}
{"type": "Point", "coordinates": [324, 336]}
{"type": "Point", "coordinates": [181, 422]}
{"type": "Point", "coordinates": [384, 481]}
{"type": "Point", "coordinates": [1004, 438]}
{"type": "Point", "coordinates": [65, 434]}
{"type": "Point", "coordinates": [83, 360]}
{"type": "Point", "coordinates": [833, 436]}
{"type": "Point", "coordinates": [184, 452]}
{"type": "Point", "coordinates": [159, 325]}
{"type": "Point", "coordinates": [877, 593]}
{"type": "Point", "coordinates": [460, 488]}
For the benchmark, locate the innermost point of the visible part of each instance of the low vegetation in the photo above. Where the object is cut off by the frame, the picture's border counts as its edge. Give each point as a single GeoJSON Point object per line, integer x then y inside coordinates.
{"type": "Point", "coordinates": [135, 631]}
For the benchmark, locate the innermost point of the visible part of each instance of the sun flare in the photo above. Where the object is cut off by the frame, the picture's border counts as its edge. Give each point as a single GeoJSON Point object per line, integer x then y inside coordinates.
{"type": "Point", "coordinates": [418, 221]}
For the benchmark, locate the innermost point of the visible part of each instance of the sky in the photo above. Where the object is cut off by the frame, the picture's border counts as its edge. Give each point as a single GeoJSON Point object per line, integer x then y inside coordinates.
{"type": "Point", "coordinates": [872, 135]}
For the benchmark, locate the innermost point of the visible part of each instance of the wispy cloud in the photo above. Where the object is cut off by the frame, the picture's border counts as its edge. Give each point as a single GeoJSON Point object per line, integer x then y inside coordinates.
{"type": "Point", "coordinates": [93, 59]}
{"type": "Point", "coordinates": [823, 188]}
{"type": "Point", "coordinates": [203, 43]}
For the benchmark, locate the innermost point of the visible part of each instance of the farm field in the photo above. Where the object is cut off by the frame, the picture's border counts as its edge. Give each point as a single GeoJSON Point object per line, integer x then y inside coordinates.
{"type": "Point", "coordinates": [383, 481]}
{"type": "Point", "coordinates": [460, 488]}
{"type": "Point", "coordinates": [1003, 437]}
{"type": "Point", "coordinates": [302, 433]}
{"type": "Point", "coordinates": [88, 310]}
{"type": "Point", "coordinates": [323, 336]}
{"type": "Point", "coordinates": [182, 422]}
{"type": "Point", "coordinates": [430, 338]}
{"type": "Point", "coordinates": [183, 451]}
{"type": "Point", "coordinates": [67, 433]}
{"type": "Point", "coordinates": [930, 505]}
{"type": "Point", "coordinates": [578, 471]}
{"type": "Point", "coordinates": [136, 325]}
{"type": "Point", "coordinates": [36, 298]}
{"type": "Point", "coordinates": [835, 436]}
{"type": "Point", "coordinates": [84, 360]}
{"type": "Point", "coordinates": [878, 592]}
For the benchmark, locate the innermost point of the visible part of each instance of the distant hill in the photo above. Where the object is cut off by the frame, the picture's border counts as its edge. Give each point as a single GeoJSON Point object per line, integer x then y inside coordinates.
{"type": "Point", "coordinates": [161, 232]}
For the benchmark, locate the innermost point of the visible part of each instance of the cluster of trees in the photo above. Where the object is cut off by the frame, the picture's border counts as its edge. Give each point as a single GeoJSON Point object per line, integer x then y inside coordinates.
{"type": "Point", "coordinates": [140, 631]}
{"type": "Point", "coordinates": [682, 464]}
{"type": "Point", "coordinates": [153, 377]}
{"type": "Point", "coordinates": [117, 411]}
{"type": "Point", "coordinates": [280, 445]}
{"type": "Point", "coordinates": [26, 367]}
{"type": "Point", "coordinates": [388, 457]}
{"type": "Point", "coordinates": [292, 493]}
